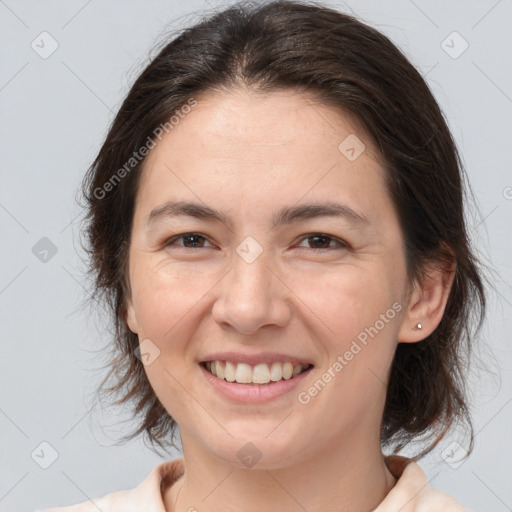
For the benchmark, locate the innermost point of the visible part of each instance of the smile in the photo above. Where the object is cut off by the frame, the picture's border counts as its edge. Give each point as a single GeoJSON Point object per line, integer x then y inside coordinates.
{"type": "Point", "coordinates": [263, 373]}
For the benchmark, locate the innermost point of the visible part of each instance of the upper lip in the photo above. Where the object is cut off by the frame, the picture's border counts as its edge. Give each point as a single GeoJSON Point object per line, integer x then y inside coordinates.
{"type": "Point", "coordinates": [261, 357]}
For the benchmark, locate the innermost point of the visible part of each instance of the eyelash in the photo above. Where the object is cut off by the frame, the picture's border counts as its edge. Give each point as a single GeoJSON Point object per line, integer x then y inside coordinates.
{"type": "Point", "coordinates": [341, 243]}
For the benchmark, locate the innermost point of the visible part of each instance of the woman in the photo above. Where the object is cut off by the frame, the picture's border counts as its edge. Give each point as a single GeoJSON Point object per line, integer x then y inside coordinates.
{"type": "Point", "coordinates": [276, 221]}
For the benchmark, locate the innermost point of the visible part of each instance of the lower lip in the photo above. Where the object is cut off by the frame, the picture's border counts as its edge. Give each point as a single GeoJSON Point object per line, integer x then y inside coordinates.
{"type": "Point", "coordinates": [253, 393]}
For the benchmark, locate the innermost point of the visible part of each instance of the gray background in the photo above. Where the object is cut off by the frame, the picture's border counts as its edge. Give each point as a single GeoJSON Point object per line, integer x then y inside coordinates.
{"type": "Point", "coordinates": [54, 113]}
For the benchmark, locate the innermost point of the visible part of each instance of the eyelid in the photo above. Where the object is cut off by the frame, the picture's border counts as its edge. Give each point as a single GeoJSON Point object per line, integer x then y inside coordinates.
{"type": "Point", "coordinates": [342, 244]}
{"type": "Point", "coordinates": [171, 240]}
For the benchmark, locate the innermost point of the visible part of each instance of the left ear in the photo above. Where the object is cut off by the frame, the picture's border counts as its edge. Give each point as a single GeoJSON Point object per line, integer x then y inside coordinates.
{"type": "Point", "coordinates": [427, 302]}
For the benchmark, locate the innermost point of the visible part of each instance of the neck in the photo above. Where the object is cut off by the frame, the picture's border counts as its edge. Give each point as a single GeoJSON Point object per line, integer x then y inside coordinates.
{"type": "Point", "coordinates": [352, 477]}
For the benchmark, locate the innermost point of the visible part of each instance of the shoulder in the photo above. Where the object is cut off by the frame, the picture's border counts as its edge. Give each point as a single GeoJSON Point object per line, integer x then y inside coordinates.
{"type": "Point", "coordinates": [108, 503]}
{"type": "Point", "coordinates": [413, 493]}
{"type": "Point", "coordinates": [146, 496]}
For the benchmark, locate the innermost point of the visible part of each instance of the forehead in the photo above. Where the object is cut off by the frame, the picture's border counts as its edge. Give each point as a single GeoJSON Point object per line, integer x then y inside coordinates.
{"type": "Point", "coordinates": [285, 116]}
{"type": "Point", "coordinates": [240, 143]}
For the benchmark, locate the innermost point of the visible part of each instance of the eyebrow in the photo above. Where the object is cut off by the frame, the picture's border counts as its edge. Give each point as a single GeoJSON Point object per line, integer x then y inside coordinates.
{"type": "Point", "coordinates": [286, 215]}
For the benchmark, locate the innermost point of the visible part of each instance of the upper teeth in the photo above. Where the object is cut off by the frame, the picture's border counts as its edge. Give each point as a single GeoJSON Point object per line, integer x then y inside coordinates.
{"type": "Point", "coordinates": [258, 374]}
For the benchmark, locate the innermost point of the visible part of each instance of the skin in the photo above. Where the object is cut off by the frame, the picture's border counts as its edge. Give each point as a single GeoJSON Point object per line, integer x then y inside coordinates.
{"type": "Point", "coordinates": [248, 155]}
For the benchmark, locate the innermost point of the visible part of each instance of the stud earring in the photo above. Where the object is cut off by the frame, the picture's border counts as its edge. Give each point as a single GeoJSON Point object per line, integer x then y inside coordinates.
{"type": "Point", "coordinates": [419, 326]}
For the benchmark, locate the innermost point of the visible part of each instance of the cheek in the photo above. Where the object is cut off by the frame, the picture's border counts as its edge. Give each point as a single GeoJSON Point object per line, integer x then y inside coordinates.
{"type": "Point", "coordinates": [359, 314]}
{"type": "Point", "coordinates": [164, 296]}
{"type": "Point", "coordinates": [348, 299]}
{"type": "Point", "coordinates": [165, 299]}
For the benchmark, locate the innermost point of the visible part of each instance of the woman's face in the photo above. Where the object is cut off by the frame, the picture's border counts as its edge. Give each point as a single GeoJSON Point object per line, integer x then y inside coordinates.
{"type": "Point", "coordinates": [322, 290]}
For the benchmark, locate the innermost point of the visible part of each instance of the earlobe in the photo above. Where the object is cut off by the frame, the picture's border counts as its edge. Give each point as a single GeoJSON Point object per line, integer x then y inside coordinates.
{"type": "Point", "coordinates": [131, 318]}
{"type": "Point", "coordinates": [427, 304]}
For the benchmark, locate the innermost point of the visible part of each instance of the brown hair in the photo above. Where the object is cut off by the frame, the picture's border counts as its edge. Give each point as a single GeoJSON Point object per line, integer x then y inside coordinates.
{"type": "Point", "coordinates": [346, 64]}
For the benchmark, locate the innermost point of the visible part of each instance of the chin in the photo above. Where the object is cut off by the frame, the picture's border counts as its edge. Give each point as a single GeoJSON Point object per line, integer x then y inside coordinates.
{"type": "Point", "coordinates": [260, 451]}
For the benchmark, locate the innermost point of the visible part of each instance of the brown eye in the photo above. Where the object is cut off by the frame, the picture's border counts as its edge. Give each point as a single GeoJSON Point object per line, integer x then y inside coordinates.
{"type": "Point", "coordinates": [190, 240]}
{"type": "Point", "coordinates": [321, 242]}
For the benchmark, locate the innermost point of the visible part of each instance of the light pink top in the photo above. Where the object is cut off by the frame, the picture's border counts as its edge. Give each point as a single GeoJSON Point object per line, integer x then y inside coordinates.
{"type": "Point", "coordinates": [412, 492]}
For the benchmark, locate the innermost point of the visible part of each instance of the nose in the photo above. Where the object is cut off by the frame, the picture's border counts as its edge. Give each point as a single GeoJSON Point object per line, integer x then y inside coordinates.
{"type": "Point", "coordinates": [252, 296]}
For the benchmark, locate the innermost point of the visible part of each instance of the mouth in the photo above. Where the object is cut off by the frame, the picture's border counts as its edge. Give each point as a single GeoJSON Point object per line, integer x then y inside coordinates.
{"type": "Point", "coordinates": [258, 374]}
